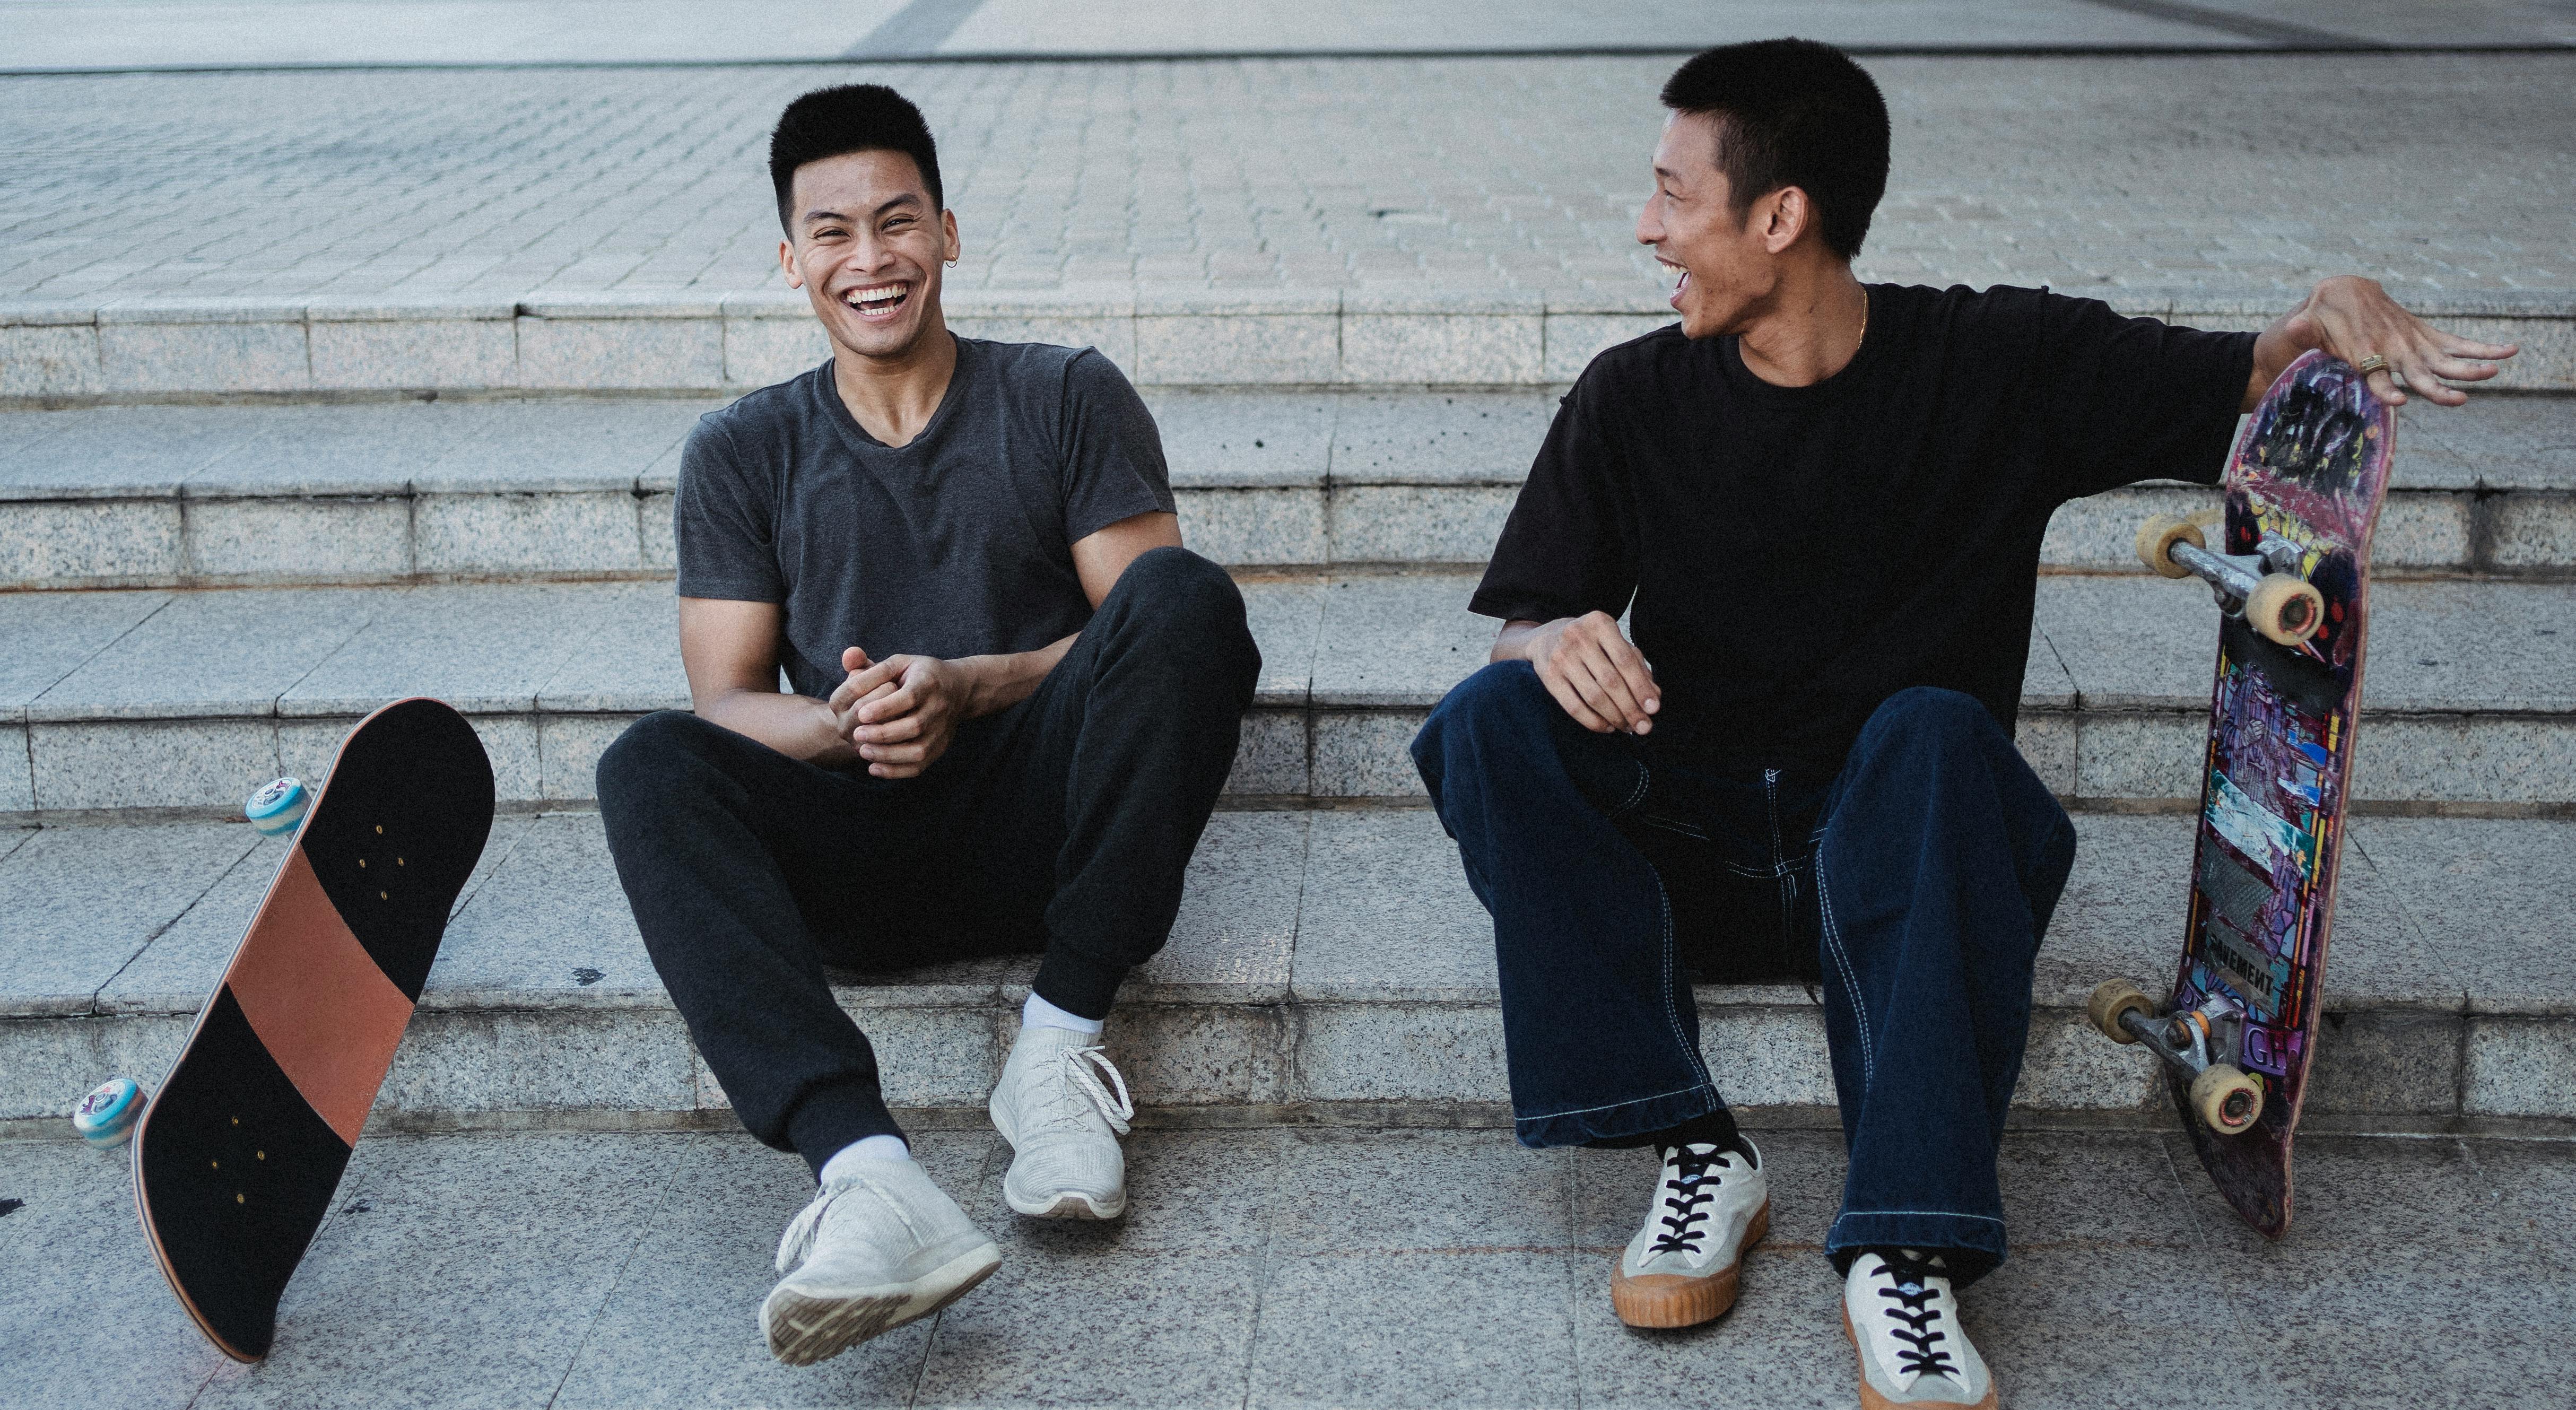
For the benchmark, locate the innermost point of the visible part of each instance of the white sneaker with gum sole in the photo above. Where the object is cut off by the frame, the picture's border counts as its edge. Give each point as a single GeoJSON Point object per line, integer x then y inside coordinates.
{"type": "Point", "coordinates": [1904, 1322]}
{"type": "Point", "coordinates": [1681, 1268]}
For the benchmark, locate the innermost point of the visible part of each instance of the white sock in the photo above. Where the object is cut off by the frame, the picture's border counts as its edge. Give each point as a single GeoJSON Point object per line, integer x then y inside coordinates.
{"type": "Point", "coordinates": [865, 1148]}
{"type": "Point", "coordinates": [1038, 1013]}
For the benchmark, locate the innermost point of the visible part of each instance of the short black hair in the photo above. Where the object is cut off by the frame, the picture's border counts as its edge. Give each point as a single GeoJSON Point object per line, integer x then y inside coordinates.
{"type": "Point", "coordinates": [1793, 112]}
{"type": "Point", "coordinates": [854, 117]}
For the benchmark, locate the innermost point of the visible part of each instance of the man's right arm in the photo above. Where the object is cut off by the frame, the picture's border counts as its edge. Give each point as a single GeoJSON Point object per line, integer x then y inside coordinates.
{"type": "Point", "coordinates": [730, 650]}
{"type": "Point", "coordinates": [1596, 673]}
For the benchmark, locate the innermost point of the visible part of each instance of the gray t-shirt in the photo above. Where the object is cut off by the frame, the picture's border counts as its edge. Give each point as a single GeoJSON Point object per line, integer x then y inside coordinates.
{"type": "Point", "coordinates": [958, 544]}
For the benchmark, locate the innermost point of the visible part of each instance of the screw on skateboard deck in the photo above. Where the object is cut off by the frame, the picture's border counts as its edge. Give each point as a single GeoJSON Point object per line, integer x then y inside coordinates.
{"type": "Point", "coordinates": [2303, 493]}
{"type": "Point", "coordinates": [237, 1157]}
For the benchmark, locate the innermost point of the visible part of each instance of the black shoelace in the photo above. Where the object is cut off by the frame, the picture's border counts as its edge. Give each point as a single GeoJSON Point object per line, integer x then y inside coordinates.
{"type": "Point", "coordinates": [1692, 1180]}
{"type": "Point", "coordinates": [1913, 1294]}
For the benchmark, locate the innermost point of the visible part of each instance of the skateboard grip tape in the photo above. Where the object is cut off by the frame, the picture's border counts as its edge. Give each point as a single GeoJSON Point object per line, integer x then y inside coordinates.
{"type": "Point", "coordinates": [323, 1007]}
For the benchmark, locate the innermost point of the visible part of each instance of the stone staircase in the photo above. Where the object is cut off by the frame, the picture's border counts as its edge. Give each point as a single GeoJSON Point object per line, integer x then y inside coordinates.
{"type": "Point", "coordinates": [76, 350]}
{"type": "Point", "coordinates": [1329, 965]}
{"type": "Point", "coordinates": [196, 597]}
{"type": "Point", "coordinates": [185, 699]}
{"type": "Point", "coordinates": [574, 488]}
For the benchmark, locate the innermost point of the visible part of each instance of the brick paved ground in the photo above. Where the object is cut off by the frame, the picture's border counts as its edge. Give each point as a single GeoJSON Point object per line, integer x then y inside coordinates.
{"type": "Point", "coordinates": [111, 34]}
{"type": "Point", "coordinates": [2235, 175]}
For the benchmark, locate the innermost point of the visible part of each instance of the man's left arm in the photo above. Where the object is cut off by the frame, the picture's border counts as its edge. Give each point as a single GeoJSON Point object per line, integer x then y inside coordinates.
{"type": "Point", "coordinates": [2354, 319]}
{"type": "Point", "coordinates": [903, 730]}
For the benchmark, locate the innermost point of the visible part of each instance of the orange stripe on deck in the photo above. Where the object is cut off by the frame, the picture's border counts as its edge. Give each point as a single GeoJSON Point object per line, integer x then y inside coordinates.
{"type": "Point", "coordinates": [318, 1000]}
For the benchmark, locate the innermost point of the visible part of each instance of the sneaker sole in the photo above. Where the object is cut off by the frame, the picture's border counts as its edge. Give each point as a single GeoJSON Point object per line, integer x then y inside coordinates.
{"type": "Point", "coordinates": [1870, 1399]}
{"type": "Point", "coordinates": [802, 1329]}
{"type": "Point", "coordinates": [1663, 1301]}
{"type": "Point", "coordinates": [1064, 1206]}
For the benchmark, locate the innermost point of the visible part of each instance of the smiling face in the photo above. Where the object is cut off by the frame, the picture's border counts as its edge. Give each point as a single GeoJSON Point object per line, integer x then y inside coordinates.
{"type": "Point", "coordinates": [867, 249]}
{"type": "Point", "coordinates": [1729, 263]}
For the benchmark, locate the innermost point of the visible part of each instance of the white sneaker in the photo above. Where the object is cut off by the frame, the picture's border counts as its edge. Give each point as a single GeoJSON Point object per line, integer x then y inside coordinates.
{"type": "Point", "coordinates": [877, 1248]}
{"type": "Point", "coordinates": [1681, 1268]}
{"type": "Point", "coordinates": [1905, 1323]}
{"type": "Point", "coordinates": [1063, 1125]}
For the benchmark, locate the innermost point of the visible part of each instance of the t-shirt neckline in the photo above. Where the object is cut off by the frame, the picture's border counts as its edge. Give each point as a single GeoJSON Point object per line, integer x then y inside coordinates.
{"type": "Point", "coordinates": [828, 388]}
{"type": "Point", "coordinates": [1875, 335]}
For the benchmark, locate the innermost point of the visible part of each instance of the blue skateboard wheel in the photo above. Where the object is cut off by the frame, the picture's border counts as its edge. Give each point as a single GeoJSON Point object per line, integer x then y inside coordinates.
{"type": "Point", "coordinates": [106, 1117]}
{"type": "Point", "coordinates": [277, 808]}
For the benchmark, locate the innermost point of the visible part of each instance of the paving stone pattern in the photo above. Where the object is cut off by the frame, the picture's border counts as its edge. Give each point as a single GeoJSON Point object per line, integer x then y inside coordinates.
{"type": "Point", "coordinates": [2242, 177]}
{"type": "Point", "coordinates": [187, 34]}
{"type": "Point", "coordinates": [1280, 1268]}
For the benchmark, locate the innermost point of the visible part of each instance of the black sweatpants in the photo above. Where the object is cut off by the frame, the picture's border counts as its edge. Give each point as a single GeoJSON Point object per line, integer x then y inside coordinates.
{"type": "Point", "coordinates": [1061, 824]}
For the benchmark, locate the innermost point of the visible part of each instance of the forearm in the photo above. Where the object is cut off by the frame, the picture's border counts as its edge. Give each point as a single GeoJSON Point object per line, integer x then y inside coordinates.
{"type": "Point", "coordinates": [2277, 346]}
{"type": "Point", "coordinates": [797, 726]}
{"type": "Point", "coordinates": [2274, 350]}
{"type": "Point", "coordinates": [996, 683]}
{"type": "Point", "coordinates": [1513, 643]}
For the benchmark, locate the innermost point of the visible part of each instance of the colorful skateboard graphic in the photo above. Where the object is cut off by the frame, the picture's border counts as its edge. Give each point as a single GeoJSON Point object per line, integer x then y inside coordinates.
{"type": "Point", "coordinates": [238, 1155]}
{"type": "Point", "coordinates": [2303, 493]}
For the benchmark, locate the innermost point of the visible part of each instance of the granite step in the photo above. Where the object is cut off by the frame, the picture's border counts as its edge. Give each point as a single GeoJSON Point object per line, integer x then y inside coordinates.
{"type": "Point", "coordinates": [580, 488]}
{"type": "Point", "coordinates": [93, 350]}
{"type": "Point", "coordinates": [190, 698]}
{"type": "Point", "coordinates": [1327, 966]}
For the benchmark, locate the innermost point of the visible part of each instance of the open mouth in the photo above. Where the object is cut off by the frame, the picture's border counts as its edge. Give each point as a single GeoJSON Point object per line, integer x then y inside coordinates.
{"type": "Point", "coordinates": [878, 302]}
{"type": "Point", "coordinates": [1681, 281]}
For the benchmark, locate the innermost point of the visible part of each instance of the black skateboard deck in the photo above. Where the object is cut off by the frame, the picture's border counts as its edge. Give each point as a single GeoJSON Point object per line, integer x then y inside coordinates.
{"type": "Point", "coordinates": [238, 1155]}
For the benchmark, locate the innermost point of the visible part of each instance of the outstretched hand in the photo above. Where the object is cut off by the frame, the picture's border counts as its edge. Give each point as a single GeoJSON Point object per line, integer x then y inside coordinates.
{"type": "Point", "coordinates": [2354, 319]}
{"type": "Point", "coordinates": [900, 713]}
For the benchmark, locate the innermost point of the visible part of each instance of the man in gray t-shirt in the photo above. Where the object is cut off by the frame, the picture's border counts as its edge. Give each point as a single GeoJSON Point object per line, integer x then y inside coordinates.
{"type": "Point", "coordinates": [957, 543]}
{"type": "Point", "coordinates": [1011, 700]}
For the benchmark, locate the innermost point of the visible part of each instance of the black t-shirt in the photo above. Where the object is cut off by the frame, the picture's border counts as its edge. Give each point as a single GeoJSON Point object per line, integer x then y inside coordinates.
{"type": "Point", "coordinates": [959, 543]}
{"type": "Point", "coordinates": [1792, 556]}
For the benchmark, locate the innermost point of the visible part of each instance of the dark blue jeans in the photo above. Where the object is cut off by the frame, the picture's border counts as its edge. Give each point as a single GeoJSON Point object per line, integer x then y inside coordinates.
{"type": "Point", "coordinates": [1913, 886]}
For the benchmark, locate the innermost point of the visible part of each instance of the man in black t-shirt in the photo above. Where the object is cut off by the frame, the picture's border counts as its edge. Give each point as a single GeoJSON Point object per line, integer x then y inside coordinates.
{"type": "Point", "coordinates": [1819, 504]}
{"type": "Point", "coordinates": [1011, 700]}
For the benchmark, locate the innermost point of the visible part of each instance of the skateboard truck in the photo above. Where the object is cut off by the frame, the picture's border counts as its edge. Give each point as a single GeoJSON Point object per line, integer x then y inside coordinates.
{"type": "Point", "coordinates": [2263, 587]}
{"type": "Point", "coordinates": [2190, 1040]}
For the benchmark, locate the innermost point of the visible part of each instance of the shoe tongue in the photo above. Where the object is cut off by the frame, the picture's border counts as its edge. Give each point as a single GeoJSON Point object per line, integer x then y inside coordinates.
{"type": "Point", "coordinates": [1694, 1161]}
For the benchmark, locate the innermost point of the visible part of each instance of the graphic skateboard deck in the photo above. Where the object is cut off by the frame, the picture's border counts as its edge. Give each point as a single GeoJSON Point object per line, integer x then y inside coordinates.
{"type": "Point", "coordinates": [2303, 492]}
{"type": "Point", "coordinates": [238, 1155]}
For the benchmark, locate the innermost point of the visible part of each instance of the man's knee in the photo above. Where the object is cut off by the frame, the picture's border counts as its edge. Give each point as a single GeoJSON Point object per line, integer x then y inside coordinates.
{"type": "Point", "coordinates": [1500, 702]}
{"type": "Point", "coordinates": [1173, 600]}
{"type": "Point", "coordinates": [1183, 588]}
{"type": "Point", "coordinates": [1925, 716]}
{"type": "Point", "coordinates": [649, 757]}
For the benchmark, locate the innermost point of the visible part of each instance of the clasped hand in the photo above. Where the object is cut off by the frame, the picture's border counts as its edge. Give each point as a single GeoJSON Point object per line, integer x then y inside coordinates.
{"type": "Point", "coordinates": [899, 713]}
